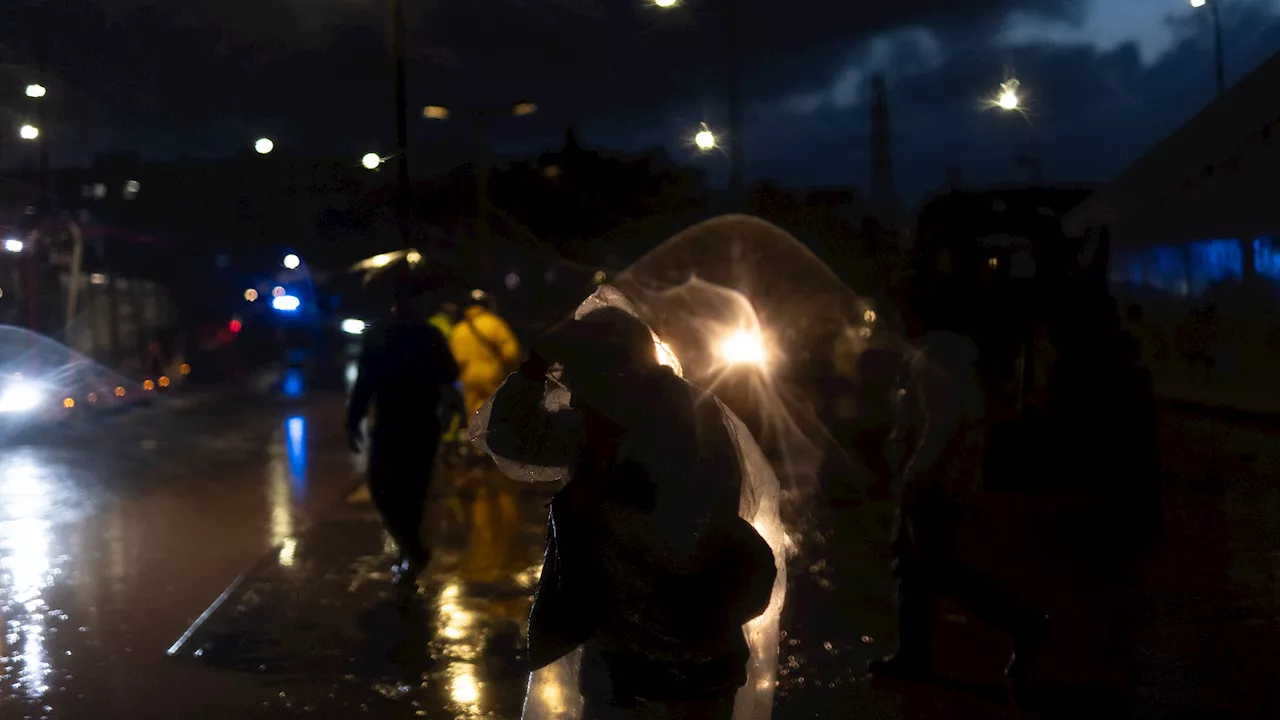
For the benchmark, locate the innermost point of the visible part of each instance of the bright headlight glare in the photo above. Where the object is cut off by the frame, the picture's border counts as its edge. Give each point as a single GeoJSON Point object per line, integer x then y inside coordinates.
{"type": "Point", "coordinates": [744, 347]}
{"type": "Point", "coordinates": [286, 303]}
{"type": "Point", "coordinates": [353, 326]}
{"type": "Point", "coordinates": [18, 397]}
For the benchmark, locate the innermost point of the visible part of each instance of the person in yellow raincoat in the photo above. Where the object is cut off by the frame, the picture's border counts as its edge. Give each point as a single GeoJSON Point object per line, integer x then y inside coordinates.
{"type": "Point", "coordinates": [486, 351]}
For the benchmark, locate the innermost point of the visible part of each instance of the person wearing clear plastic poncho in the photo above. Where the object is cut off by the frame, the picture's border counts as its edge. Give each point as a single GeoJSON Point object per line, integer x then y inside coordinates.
{"type": "Point", "coordinates": [943, 419]}
{"type": "Point", "coordinates": [650, 568]}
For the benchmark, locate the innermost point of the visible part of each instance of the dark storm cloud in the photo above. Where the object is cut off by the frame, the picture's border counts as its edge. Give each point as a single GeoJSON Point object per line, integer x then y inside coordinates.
{"type": "Point", "coordinates": [315, 73]}
{"type": "Point", "coordinates": [1090, 110]}
{"type": "Point", "coordinates": [214, 69]}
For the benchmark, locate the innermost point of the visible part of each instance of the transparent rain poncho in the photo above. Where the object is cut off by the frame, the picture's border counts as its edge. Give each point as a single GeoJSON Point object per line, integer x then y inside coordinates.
{"type": "Point", "coordinates": [741, 309]}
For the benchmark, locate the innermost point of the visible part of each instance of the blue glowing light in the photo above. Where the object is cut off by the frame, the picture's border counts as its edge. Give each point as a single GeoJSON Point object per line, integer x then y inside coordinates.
{"type": "Point", "coordinates": [292, 386]}
{"type": "Point", "coordinates": [1165, 268]}
{"type": "Point", "coordinates": [1213, 262]}
{"type": "Point", "coordinates": [1266, 257]}
{"type": "Point", "coordinates": [286, 303]}
{"type": "Point", "coordinates": [296, 448]}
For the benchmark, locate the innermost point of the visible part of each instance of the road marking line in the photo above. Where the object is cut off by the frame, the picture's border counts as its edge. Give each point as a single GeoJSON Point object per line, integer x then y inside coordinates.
{"type": "Point", "coordinates": [208, 612]}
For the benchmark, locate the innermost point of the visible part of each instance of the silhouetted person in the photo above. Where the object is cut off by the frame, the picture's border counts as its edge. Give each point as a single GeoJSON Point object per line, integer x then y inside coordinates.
{"type": "Point", "coordinates": [1102, 399]}
{"type": "Point", "coordinates": [444, 320]}
{"type": "Point", "coordinates": [944, 407]}
{"type": "Point", "coordinates": [405, 369]}
{"type": "Point", "coordinates": [648, 562]}
{"type": "Point", "coordinates": [878, 371]}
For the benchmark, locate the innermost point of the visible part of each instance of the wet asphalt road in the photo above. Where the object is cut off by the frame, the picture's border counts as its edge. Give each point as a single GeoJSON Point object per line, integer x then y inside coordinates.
{"type": "Point", "coordinates": [226, 530]}
{"type": "Point", "coordinates": [115, 536]}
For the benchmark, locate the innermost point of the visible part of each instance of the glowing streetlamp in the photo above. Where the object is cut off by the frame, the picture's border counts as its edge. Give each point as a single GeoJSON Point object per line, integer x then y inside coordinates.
{"type": "Point", "coordinates": [729, 14]}
{"type": "Point", "coordinates": [291, 261]}
{"type": "Point", "coordinates": [1008, 98]}
{"type": "Point", "coordinates": [36, 90]}
{"type": "Point", "coordinates": [435, 112]}
{"type": "Point", "coordinates": [264, 146]}
{"type": "Point", "coordinates": [28, 132]}
{"type": "Point", "coordinates": [705, 139]}
{"type": "Point", "coordinates": [371, 161]}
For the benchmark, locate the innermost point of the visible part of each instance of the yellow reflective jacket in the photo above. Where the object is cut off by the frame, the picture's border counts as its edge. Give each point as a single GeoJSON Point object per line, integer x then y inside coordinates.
{"type": "Point", "coordinates": [442, 323]}
{"type": "Point", "coordinates": [484, 360]}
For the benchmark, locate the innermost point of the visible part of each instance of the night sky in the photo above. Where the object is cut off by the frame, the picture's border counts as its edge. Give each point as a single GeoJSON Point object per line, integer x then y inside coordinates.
{"type": "Point", "coordinates": [1103, 79]}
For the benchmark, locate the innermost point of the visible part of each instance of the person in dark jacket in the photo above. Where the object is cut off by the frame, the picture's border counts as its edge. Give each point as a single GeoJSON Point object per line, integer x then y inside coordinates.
{"type": "Point", "coordinates": [944, 419]}
{"type": "Point", "coordinates": [406, 370]}
{"type": "Point", "coordinates": [648, 564]}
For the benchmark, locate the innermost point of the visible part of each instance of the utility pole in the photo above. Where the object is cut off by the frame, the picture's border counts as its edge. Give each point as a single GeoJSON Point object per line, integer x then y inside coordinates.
{"type": "Point", "coordinates": [44, 205]}
{"type": "Point", "coordinates": [736, 140]}
{"type": "Point", "coordinates": [43, 50]}
{"type": "Point", "coordinates": [404, 193]}
{"type": "Point", "coordinates": [1217, 47]}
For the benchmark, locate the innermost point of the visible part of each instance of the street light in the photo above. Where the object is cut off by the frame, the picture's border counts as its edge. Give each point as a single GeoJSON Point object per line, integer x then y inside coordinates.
{"type": "Point", "coordinates": [264, 146]}
{"type": "Point", "coordinates": [1008, 98]}
{"type": "Point", "coordinates": [435, 112]}
{"type": "Point", "coordinates": [1217, 41]}
{"type": "Point", "coordinates": [371, 161]}
{"type": "Point", "coordinates": [291, 261]}
{"type": "Point", "coordinates": [705, 139]}
{"type": "Point", "coordinates": [729, 10]}
{"type": "Point", "coordinates": [36, 90]}
{"type": "Point", "coordinates": [13, 245]}
{"type": "Point", "coordinates": [28, 132]}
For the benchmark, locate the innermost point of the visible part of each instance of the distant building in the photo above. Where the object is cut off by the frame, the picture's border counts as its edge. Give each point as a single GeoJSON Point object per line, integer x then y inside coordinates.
{"type": "Point", "coordinates": [1194, 231]}
{"type": "Point", "coordinates": [1200, 207]}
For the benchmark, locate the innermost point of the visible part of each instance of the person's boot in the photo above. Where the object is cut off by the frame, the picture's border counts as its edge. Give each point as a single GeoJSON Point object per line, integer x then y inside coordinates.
{"type": "Point", "coordinates": [410, 566]}
{"type": "Point", "coordinates": [1028, 646]}
{"type": "Point", "coordinates": [914, 659]}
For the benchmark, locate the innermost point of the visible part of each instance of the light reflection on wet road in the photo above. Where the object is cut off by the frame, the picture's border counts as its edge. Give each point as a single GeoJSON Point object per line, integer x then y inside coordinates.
{"type": "Point", "coordinates": [114, 537]}
{"type": "Point", "coordinates": [114, 540]}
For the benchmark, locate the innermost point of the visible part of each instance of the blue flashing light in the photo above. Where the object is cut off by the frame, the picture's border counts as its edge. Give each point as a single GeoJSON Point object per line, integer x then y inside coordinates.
{"type": "Point", "coordinates": [292, 386]}
{"type": "Point", "coordinates": [286, 303]}
{"type": "Point", "coordinates": [1214, 262]}
{"type": "Point", "coordinates": [1266, 257]}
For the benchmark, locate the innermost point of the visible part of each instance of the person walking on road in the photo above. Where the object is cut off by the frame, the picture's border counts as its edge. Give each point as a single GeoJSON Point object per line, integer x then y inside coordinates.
{"type": "Point", "coordinates": [406, 370]}
{"type": "Point", "coordinates": [944, 411]}
{"type": "Point", "coordinates": [485, 348]}
{"type": "Point", "coordinates": [445, 319]}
